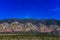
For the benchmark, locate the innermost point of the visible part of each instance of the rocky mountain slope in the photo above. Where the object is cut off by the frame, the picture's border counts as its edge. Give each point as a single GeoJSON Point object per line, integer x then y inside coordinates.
{"type": "Point", "coordinates": [30, 25]}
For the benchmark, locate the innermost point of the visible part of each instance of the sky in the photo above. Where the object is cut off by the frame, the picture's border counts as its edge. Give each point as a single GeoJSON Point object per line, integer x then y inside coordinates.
{"type": "Point", "coordinates": [40, 9]}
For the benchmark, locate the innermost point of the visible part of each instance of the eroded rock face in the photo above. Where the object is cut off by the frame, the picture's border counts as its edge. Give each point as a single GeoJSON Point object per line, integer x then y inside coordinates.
{"type": "Point", "coordinates": [5, 27]}
{"type": "Point", "coordinates": [20, 27]}
{"type": "Point", "coordinates": [27, 26]}
{"type": "Point", "coordinates": [17, 27]}
{"type": "Point", "coordinates": [30, 27]}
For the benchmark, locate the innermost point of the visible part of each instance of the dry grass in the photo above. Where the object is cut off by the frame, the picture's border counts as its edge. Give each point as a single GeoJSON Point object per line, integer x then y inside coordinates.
{"type": "Point", "coordinates": [27, 37]}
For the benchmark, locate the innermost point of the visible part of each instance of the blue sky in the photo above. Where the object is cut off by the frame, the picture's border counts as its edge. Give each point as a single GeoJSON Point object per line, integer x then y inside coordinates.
{"type": "Point", "coordinates": [43, 9]}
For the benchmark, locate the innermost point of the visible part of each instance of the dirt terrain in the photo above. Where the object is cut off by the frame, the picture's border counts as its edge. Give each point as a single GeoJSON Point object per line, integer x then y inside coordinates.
{"type": "Point", "coordinates": [28, 37]}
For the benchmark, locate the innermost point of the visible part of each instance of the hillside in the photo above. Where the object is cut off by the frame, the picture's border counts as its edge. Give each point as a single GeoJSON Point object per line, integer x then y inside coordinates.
{"type": "Point", "coordinates": [30, 26]}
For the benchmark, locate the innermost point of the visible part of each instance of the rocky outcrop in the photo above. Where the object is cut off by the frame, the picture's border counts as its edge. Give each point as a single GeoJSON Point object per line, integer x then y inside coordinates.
{"type": "Point", "coordinates": [29, 25]}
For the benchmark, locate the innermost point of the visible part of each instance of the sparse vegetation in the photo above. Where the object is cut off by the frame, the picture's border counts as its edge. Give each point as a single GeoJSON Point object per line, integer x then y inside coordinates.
{"type": "Point", "coordinates": [29, 37]}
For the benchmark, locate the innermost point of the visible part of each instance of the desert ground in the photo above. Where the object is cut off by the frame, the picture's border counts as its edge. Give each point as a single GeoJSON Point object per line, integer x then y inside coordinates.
{"type": "Point", "coordinates": [28, 37]}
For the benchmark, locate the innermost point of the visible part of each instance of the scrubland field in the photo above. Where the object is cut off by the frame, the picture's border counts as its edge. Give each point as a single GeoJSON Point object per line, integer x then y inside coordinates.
{"type": "Point", "coordinates": [28, 37]}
